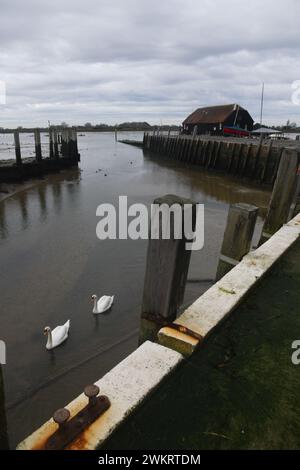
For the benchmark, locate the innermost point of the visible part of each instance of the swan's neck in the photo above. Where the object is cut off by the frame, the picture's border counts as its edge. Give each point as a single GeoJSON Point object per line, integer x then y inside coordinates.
{"type": "Point", "coordinates": [49, 341]}
{"type": "Point", "coordinates": [95, 309]}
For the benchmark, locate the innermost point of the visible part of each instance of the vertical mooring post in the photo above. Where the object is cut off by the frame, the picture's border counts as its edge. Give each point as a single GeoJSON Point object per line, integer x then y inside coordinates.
{"type": "Point", "coordinates": [71, 146]}
{"type": "Point", "coordinates": [116, 134]}
{"type": "Point", "coordinates": [168, 259]}
{"type": "Point", "coordinates": [17, 148]}
{"type": "Point", "coordinates": [51, 149]}
{"type": "Point", "coordinates": [55, 143]}
{"type": "Point", "coordinates": [37, 143]}
{"type": "Point", "coordinates": [238, 235]}
{"type": "Point", "coordinates": [63, 142]}
{"type": "Point", "coordinates": [283, 194]}
{"type": "Point", "coordinates": [74, 145]}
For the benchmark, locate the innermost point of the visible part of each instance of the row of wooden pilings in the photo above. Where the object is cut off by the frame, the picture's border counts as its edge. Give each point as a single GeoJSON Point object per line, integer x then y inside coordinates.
{"type": "Point", "coordinates": [62, 143]}
{"type": "Point", "coordinates": [168, 260]}
{"type": "Point", "coordinates": [253, 160]}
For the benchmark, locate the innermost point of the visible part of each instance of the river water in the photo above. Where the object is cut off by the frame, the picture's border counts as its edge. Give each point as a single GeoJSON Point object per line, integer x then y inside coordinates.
{"type": "Point", "coordinates": [52, 261]}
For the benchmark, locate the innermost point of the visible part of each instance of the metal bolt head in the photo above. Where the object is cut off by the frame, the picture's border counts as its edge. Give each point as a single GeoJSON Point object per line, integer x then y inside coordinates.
{"type": "Point", "coordinates": [61, 416]}
{"type": "Point", "coordinates": [91, 391]}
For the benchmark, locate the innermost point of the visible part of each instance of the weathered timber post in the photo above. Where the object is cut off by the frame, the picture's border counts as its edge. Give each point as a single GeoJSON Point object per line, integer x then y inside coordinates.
{"type": "Point", "coordinates": [217, 153]}
{"type": "Point", "coordinates": [75, 143]}
{"type": "Point", "coordinates": [116, 134]}
{"type": "Point", "coordinates": [264, 170]}
{"type": "Point", "coordinates": [17, 148]}
{"type": "Point", "coordinates": [37, 143]}
{"type": "Point", "coordinates": [167, 265]}
{"type": "Point", "coordinates": [295, 206]}
{"type": "Point", "coordinates": [238, 235]}
{"type": "Point", "coordinates": [65, 143]}
{"type": "Point", "coordinates": [51, 149]}
{"type": "Point", "coordinates": [246, 159]}
{"type": "Point", "coordinates": [55, 143]}
{"type": "Point", "coordinates": [71, 142]}
{"type": "Point", "coordinates": [283, 194]}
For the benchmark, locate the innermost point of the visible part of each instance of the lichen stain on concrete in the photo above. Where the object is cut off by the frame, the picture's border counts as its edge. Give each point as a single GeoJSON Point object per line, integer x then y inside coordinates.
{"type": "Point", "coordinates": [227, 291]}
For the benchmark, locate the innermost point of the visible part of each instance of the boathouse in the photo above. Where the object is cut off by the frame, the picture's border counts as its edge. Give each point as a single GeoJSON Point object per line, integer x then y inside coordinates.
{"type": "Point", "coordinates": [226, 119]}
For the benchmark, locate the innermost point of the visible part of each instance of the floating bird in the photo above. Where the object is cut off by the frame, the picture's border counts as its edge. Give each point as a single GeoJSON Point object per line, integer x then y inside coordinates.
{"type": "Point", "coordinates": [56, 336]}
{"type": "Point", "coordinates": [103, 304]}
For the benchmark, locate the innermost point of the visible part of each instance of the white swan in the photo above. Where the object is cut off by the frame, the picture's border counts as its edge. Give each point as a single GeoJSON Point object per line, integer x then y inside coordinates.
{"type": "Point", "coordinates": [103, 304]}
{"type": "Point", "coordinates": [56, 336]}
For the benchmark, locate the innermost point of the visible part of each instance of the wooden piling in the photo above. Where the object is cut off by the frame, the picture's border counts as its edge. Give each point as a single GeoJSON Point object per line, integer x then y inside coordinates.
{"type": "Point", "coordinates": [167, 265]}
{"type": "Point", "coordinates": [51, 148]}
{"type": "Point", "coordinates": [17, 148]}
{"type": "Point", "coordinates": [37, 144]}
{"type": "Point", "coordinates": [282, 195]}
{"type": "Point", "coordinates": [55, 144]}
{"type": "Point", "coordinates": [237, 237]}
{"type": "Point", "coordinates": [65, 142]}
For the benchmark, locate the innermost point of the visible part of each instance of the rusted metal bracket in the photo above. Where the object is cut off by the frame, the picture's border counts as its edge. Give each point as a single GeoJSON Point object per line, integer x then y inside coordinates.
{"type": "Point", "coordinates": [68, 430]}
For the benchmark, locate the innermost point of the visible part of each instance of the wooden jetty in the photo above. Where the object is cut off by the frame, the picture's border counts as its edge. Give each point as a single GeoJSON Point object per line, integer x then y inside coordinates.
{"type": "Point", "coordinates": [63, 153]}
{"type": "Point", "coordinates": [251, 159]}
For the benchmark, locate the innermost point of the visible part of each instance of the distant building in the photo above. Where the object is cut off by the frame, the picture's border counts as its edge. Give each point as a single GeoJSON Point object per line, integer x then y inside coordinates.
{"type": "Point", "coordinates": [225, 119]}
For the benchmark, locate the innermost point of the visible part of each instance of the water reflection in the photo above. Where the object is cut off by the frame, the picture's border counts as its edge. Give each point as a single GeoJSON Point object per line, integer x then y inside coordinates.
{"type": "Point", "coordinates": [41, 192]}
{"type": "Point", "coordinates": [23, 201]}
{"type": "Point", "coordinates": [47, 194]}
{"type": "Point", "coordinates": [223, 188]}
{"type": "Point", "coordinates": [3, 226]}
{"type": "Point", "coordinates": [57, 196]}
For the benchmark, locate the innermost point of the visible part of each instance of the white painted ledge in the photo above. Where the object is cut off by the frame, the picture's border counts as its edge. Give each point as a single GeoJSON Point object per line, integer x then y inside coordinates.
{"type": "Point", "coordinates": [224, 296]}
{"type": "Point", "coordinates": [127, 385]}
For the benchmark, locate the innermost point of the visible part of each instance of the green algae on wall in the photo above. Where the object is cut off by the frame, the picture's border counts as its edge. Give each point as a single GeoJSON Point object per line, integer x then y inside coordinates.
{"type": "Point", "coordinates": [240, 390]}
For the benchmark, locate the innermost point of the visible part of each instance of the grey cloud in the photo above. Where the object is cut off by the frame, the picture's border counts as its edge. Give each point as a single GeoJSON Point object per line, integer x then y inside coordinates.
{"type": "Point", "coordinates": [126, 60]}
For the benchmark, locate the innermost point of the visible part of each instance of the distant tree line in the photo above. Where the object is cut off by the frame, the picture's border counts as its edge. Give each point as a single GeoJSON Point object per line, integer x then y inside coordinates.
{"type": "Point", "coordinates": [288, 127]}
{"type": "Point", "coordinates": [89, 127]}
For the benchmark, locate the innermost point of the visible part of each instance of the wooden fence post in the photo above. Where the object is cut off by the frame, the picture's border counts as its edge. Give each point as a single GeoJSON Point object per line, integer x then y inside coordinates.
{"type": "Point", "coordinates": [17, 148]}
{"type": "Point", "coordinates": [167, 264]}
{"type": "Point", "coordinates": [282, 195]}
{"type": "Point", "coordinates": [37, 143]}
{"type": "Point", "coordinates": [238, 235]}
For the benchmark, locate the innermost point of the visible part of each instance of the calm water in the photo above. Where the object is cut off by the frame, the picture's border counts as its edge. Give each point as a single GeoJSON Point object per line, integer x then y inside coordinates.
{"type": "Point", "coordinates": [51, 263]}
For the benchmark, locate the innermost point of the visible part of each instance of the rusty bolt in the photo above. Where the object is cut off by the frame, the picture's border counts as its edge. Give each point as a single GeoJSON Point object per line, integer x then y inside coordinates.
{"type": "Point", "coordinates": [61, 416]}
{"type": "Point", "coordinates": [91, 391]}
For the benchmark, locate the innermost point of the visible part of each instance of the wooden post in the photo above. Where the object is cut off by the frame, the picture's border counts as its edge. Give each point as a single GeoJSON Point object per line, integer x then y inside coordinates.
{"type": "Point", "coordinates": [283, 194]}
{"type": "Point", "coordinates": [51, 149]}
{"type": "Point", "coordinates": [116, 134]}
{"type": "Point", "coordinates": [17, 148]}
{"type": "Point", "coordinates": [237, 237]}
{"type": "Point", "coordinates": [55, 143]}
{"type": "Point", "coordinates": [65, 142]}
{"type": "Point", "coordinates": [37, 143]}
{"type": "Point", "coordinates": [74, 149]}
{"type": "Point", "coordinates": [295, 206]}
{"type": "Point", "coordinates": [167, 265]}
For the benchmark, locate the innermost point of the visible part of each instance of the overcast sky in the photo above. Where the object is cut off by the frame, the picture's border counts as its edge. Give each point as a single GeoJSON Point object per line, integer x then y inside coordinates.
{"type": "Point", "coordinates": [124, 60]}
